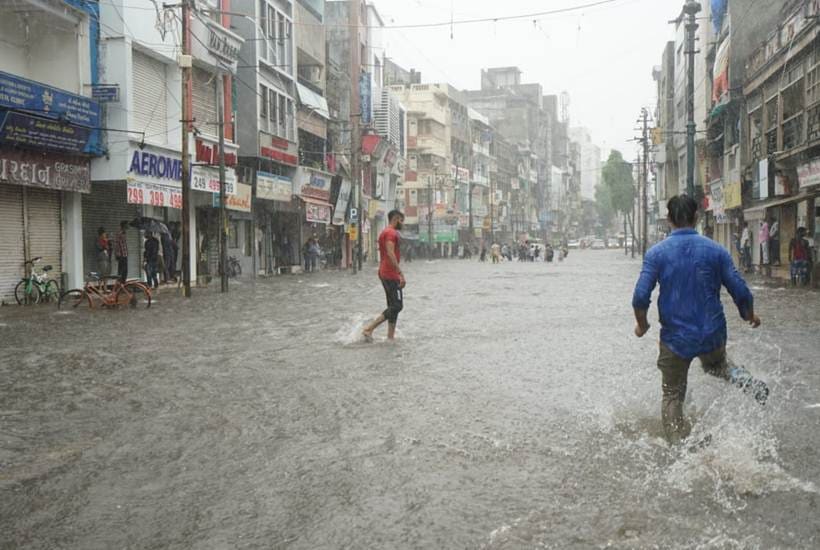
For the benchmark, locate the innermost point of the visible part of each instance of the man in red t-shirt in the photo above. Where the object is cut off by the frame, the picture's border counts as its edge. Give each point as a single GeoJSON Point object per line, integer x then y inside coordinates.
{"type": "Point", "coordinates": [391, 276]}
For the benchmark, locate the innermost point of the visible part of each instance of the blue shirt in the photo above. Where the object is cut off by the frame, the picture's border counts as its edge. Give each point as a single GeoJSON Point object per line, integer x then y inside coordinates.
{"type": "Point", "coordinates": [691, 270]}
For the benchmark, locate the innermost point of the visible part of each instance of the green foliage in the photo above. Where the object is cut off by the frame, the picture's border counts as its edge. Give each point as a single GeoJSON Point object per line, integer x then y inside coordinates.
{"type": "Point", "coordinates": [617, 178]}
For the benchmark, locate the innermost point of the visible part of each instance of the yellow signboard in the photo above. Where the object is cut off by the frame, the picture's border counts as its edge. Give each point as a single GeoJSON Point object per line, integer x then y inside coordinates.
{"type": "Point", "coordinates": [732, 191]}
{"type": "Point", "coordinates": [353, 232]}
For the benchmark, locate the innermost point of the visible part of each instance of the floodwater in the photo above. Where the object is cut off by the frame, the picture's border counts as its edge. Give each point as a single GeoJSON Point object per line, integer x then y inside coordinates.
{"type": "Point", "coordinates": [517, 410]}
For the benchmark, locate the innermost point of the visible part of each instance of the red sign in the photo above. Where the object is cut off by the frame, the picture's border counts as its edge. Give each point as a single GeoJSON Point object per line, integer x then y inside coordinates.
{"type": "Point", "coordinates": [279, 156]}
{"type": "Point", "coordinates": [209, 155]}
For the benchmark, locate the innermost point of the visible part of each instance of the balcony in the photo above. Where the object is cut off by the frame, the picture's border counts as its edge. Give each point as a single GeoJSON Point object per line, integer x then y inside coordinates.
{"type": "Point", "coordinates": [771, 141]}
{"type": "Point", "coordinates": [757, 143]}
{"type": "Point", "coordinates": [793, 132]}
{"type": "Point", "coordinates": [813, 123]}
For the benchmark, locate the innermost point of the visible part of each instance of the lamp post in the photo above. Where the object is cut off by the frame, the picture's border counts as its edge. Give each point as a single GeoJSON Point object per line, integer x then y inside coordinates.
{"type": "Point", "coordinates": [690, 9]}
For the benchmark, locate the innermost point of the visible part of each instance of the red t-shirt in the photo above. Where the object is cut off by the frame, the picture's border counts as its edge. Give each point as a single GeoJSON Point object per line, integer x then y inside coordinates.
{"type": "Point", "coordinates": [386, 269]}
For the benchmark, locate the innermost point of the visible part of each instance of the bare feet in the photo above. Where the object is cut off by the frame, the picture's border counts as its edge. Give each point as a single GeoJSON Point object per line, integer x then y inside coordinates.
{"type": "Point", "coordinates": [368, 336]}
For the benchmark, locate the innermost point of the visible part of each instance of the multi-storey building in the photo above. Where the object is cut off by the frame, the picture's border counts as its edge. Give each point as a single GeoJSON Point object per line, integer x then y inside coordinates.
{"type": "Point", "coordinates": [589, 168]}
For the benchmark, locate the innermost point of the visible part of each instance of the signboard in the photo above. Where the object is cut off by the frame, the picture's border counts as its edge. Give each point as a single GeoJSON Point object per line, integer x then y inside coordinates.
{"type": "Point", "coordinates": [353, 232]}
{"type": "Point", "coordinates": [206, 178]}
{"type": "Point", "coordinates": [32, 169]}
{"type": "Point", "coordinates": [317, 213]}
{"type": "Point", "coordinates": [26, 95]}
{"type": "Point", "coordinates": [313, 184]}
{"type": "Point", "coordinates": [365, 99]}
{"type": "Point", "coordinates": [459, 173]}
{"type": "Point", "coordinates": [41, 133]}
{"type": "Point", "coordinates": [732, 192]}
{"type": "Point", "coordinates": [240, 201]}
{"type": "Point", "coordinates": [808, 175]}
{"type": "Point", "coordinates": [106, 93]}
{"type": "Point", "coordinates": [341, 203]}
{"type": "Point", "coordinates": [214, 44]}
{"type": "Point", "coordinates": [278, 149]}
{"type": "Point", "coordinates": [763, 179]}
{"type": "Point", "coordinates": [207, 153]}
{"type": "Point", "coordinates": [717, 202]}
{"type": "Point", "coordinates": [153, 194]}
{"type": "Point", "coordinates": [273, 188]}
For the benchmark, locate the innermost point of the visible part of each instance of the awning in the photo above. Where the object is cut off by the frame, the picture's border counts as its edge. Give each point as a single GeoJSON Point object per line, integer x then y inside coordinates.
{"type": "Point", "coordinates": [314, 101]}
{"type": "Point", "coordinates": [777, 202]}
{"type": "Point", "coordinates": [317, 202]}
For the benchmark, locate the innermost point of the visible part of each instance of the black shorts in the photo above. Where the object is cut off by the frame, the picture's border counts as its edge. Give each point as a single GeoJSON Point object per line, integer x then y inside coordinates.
{"type": "Point", "coordinates": [395, 300]}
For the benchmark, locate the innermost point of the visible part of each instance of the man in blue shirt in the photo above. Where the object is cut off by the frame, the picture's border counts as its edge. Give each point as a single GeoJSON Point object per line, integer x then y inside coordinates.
{"type": "Point", "coordinates": [691, 270]}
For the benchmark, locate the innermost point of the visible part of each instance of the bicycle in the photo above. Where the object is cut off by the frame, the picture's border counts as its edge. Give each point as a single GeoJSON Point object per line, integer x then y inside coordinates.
{"type": "Point", "coordinates": [234, 268]}
{"type": "Point", "coordinates": [96, 291]}
{"type": "Point", "coordinates": [37, 287]}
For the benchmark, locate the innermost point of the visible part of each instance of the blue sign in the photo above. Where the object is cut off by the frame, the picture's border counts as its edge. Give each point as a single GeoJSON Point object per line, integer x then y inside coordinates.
{"type": "Point", "coordinates": [26, 95]}
{"type": "Point", "coordinates": [156, 166]}
{"type": "Point", "coordinates": [41, 133]}
{"type": "Point", "coordinates": [365, 99]}
{"type": "Point", "coordinates": [106, 93]}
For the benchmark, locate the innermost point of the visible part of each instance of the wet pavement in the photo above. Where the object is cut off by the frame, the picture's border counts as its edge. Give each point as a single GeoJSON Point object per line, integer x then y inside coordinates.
{"type": "Point", "coordinates": [517, 410]}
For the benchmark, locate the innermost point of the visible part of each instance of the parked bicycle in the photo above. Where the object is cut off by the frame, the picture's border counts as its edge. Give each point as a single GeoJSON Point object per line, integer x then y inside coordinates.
{"type": "Point", "coordinates": [97, 292]}
{"type": "Point", "coordinates": [234, 268]}
{"type": "Point", "coordinates": [37, 287]}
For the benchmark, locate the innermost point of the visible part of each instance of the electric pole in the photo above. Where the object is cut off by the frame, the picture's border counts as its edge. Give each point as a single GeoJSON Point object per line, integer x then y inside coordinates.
{"type": "Point", "coordinates": [430, 213]}
{"type": "Point", "coordinates": [185, 63]}
{"type": "Point", "coordinates": [690, 9]}
{"type": "Point", "coordinates": [223, 221]}
{"type": "Point", "coordinates": [644, 217]}
{"type": "Point", "coordinates": [355, 133]}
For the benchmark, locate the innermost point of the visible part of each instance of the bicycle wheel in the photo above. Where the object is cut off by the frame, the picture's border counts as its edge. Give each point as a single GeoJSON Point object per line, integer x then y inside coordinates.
{"type": "Point", "coordinates": [237, 270]}
{"type": "Point", "coordinates": [26, 293]}
{"type": "Point", "coordinates": [134, 294]}
{"type": "Point", "coordinates": [76, 298]}
{"type": "Point", "coordinates": [51, 293]}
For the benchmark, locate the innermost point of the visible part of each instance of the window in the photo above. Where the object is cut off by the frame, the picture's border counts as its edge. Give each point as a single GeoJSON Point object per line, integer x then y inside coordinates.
{"type": "Point", "coordinates": [248, 238]}
{"type": "Point", "coordinates": [282, 116]}
{"type": "Point", "coordinates": [263, 96]}
{"type": "Point", "coordinates": [274, 107]}
{"type": "Point", "coordinates": [233, 234]}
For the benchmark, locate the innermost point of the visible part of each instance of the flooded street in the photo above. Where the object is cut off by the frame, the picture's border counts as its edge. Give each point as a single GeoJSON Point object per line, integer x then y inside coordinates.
{"type": "Point", "coordinates": [516, 410]}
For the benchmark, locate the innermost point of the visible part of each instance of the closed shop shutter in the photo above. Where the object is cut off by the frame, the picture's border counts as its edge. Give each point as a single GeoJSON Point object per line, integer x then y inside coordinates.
{"type": "Point", "coordinates": [11, 244]}
{"type": "Point", "coordinates": [106, 207]}
{"type": "Point", "coordinates": [150, 106]}
{"type": "Point", "coordinates": [204, 100]}
{"type": "Point", "coordinates": [45, 228]}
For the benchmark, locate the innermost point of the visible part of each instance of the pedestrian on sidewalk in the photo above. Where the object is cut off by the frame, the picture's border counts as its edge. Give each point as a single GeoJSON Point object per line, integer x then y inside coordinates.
{"type": "Point", "coordinates": [103, 248]}
{"type": "Point", "coordinates": [763, 239]}
{"type": "Point", "coordinates": [151, 255]}
{"type": "Point", "coordinates": [746, 248]}
{"type": "Point", "coordinates": [799, 258]}
{"type": "Point", "coordinates": [391, 276]}
{"type": "Point", "coordinates": [774, 241]}
{"type": "Point", "coordinates": [691, 270]}
{"type": "Point", "coordinates": [121, 251]}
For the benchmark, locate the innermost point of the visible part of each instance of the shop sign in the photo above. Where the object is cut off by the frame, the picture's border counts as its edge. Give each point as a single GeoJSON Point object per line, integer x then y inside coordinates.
{"type": "Point", "coordinates": [214, 44]}
{"type": "Point", "coordinates": [209, 154]}
{"type": "Point", "coordinates": [278, 149]}
{"type": "Point", "coordinates": [106, 93]}
{"type": "Point", "coordinates": [365, 98]}
{"type": "Point", "coordinates": [732, 192]}
{"type": "Point", "coordinates": [26, 95]}
{"type": "Point", "coordinates": [206, 178]}
{"type": "Point", "coordinates": [317, 213]}
{"type": "Point", "coordinates": [314, 184]}
{"type": "Point", "coordinates": [155, 166]}
{"type": "Point", "coordinates": [341, 203]}
{"type": "Point", "coordinates": [459, 173]}
{"type": "Point", "coordinates": [240, 201]}
{"type": "Point", "coordinates": [41, 133]}
{"type": "Point", "coordinates": [153, 194]}
{"type": "Point", "coordinates": [273, 188]}
{"type": "Point", "coordinates": [52, 171]}
{"type": "Point", "coordinates": [808, 175]}
{"type": "Point", "coordinates": [717, 202]}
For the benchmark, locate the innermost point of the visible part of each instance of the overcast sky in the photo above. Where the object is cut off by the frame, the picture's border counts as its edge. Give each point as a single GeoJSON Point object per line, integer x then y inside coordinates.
{"type": "Point", "coordinates": [602, 56]}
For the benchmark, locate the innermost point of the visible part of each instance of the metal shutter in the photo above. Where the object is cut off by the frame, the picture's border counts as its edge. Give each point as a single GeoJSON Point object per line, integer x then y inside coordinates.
{"type": "Point", "coordinates": [11, 240]}
{"type": "Point", "coordinates": [45, 228]}
{"type": "Point", "coordinates": [106, 207]}
{"type": "Point", "coordinates": [150, 105]}
{"type": "Point", "coordinates": [204, 101]}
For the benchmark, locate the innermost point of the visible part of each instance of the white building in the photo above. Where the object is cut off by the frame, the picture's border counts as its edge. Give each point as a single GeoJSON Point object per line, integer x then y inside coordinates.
{"type": "Point", "coordinates": [590, 161]}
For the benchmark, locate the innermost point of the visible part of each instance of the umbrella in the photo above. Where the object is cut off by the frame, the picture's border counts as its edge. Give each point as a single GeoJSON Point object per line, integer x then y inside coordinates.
{"type": "Point", "coordinates": [150, 224]}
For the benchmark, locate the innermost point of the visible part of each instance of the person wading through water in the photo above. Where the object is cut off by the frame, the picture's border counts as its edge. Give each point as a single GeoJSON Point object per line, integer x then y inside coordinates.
{"type": "Point", "coordinates": [391, 276]}
{"type": "Point", "coordinates": [691, 270]}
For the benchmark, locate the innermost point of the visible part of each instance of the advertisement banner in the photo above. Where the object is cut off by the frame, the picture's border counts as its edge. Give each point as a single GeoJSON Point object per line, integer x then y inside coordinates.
{"type": "Point", "coordinates": [59, 172]}
{"type": "Point", "coordinates": [365, 99]}
{"type": "Point", "coordinates": [206, 178]}
{"type": "Point", "coordinates": [341, 203]}
{"type": "Point", "coordinates": [808, 175]}
{"type": "Point", "coordinates": [153, 194]}
{"type": "Point", "coordinates": [240, 201]}
{"type": "Point", "coordinates": [40, 133]}
{"type": "Point", "coordinates": [273, 188]}
{"type": "Point", "coordinates": [314, 184]}
{"type": "Point", "coordinates": [720, 88]}
{"type": "Point", "coordinates": [23, 94]}
{"type": "Point", "coordinates": [317, 213]}
{"type": "Point", "coordinates": [732, 191]}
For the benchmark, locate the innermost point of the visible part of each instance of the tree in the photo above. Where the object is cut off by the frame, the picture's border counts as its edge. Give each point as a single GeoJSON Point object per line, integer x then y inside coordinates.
{"type": "Point", "coordinates": [617, 177]}
{"type": "Point", "coordinates": [603, 206]}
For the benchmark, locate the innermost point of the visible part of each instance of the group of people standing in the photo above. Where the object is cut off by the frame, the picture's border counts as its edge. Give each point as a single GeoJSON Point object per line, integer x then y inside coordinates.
{"type": "Point", "coordinates": [160, 251]}
{"type": "Point", "coordinates": [768, 239]}
{"type": "Point", "coordinates": [525, 252]}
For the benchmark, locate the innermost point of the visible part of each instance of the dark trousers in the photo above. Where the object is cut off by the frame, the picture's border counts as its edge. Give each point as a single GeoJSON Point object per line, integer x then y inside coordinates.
{"type": "Point", "coordinates": [170, 264]}
{"type": "Point", "coordinates": [395, 300]}
{"type": "Point", "coordinates": [122, 268]}
{"type": "Point", "coordinates": [774, 250]}
{"type": "Point", "coordinates": [151, 271]}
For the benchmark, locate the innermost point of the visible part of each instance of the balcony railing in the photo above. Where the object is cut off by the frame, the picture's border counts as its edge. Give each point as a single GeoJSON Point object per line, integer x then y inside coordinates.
{"type": "Point", "coordinates": [771, 141]}
{"type": "Point", "coordinates": [813, 123]}
{"type": "Point", "coordinates": [793, 132]}
{"type": "Point", "coordinates": [757, 143]}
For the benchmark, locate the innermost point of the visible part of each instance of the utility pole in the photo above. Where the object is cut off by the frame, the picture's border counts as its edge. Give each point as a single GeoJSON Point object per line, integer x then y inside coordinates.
{"type": "Point", "coordinates": [690, 9]}
{"type": "Point", "coordinates": [644, 217]}
{"type": "Point", "coordinates": [355, 120]}
{"type": "Point", "coordinates": [430, 212]}
{"type": "Point", "coordinates": [223, 221]}
{"type": "Point", "coordinates": [185, 63]}
{"type": "Point", "coordinates": [492, 219]}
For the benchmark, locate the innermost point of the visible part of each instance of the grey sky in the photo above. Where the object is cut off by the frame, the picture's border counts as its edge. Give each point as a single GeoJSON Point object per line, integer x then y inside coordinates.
{"type": "Point", "coordinates": [602, 56]}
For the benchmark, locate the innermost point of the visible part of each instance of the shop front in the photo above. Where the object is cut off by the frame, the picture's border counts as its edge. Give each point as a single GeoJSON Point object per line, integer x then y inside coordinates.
{"type": "Point", "coordinates": [317, 212]}
{"type": "Point", "coordinates": [47, 136]}
{"type": "Point", "coordinates": [276, 222]}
